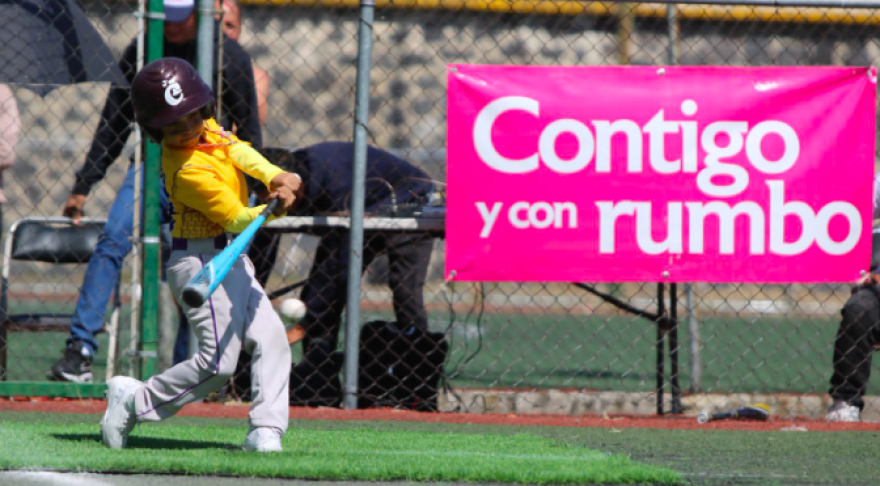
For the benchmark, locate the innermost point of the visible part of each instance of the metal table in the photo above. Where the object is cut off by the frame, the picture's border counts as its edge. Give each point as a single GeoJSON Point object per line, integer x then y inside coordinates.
{"type": "Point", "coordinates": [665, 318]}
{"type": "Point", "coordinates": [321, 223]}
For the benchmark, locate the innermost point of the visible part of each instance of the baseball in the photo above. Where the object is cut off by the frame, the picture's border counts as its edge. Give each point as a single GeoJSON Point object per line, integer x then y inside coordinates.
{"type": "Point", "coordinates": [293, 309]}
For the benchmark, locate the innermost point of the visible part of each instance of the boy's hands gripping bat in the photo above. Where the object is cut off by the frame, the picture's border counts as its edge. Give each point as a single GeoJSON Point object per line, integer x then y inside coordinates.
{"type": "Point", "coordinates": [758, 411]}
{"type": "Point", "coordinates": [209, 278]}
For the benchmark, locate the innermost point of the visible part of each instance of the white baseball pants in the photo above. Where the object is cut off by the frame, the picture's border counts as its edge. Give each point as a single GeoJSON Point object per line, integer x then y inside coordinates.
{"type": "Point", "coordinates": [237, 314]}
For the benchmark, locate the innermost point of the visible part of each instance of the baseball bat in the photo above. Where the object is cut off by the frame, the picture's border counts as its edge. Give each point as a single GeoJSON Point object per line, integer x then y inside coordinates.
{"type": "Point", "coordinates": [211, 275]}
{"type": "Point", "coordinates": [757, 411]}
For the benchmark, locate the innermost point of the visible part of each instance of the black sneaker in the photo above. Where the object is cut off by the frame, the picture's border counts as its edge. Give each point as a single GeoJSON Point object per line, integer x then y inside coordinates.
{"type": "Point", "coordinates": [75, 366]}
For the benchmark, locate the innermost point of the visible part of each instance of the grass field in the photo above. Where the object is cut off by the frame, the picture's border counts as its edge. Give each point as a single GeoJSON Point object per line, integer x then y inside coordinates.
{"type": "Point", "coordinates": [603, 353]}
{"type": "Point", "coordinates": [361, 452]}
{"type": "Point", "coordinates": [449, 452]}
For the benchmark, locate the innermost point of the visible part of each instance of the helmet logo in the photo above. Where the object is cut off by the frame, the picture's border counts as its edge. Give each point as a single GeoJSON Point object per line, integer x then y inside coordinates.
{"type": "Point", "coordinates": [173, 92]}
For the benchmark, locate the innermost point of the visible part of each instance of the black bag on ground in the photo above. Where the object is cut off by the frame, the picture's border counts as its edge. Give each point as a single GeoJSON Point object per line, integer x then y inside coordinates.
{"type": "Point", "coordinates": [399, 367]}
{"type": "Point", "coordinates": [314, 381]}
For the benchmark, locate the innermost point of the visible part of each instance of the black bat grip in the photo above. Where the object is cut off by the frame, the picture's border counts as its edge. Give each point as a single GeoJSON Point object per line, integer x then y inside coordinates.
{"type": "Point", "coordinates": [271, 206]}
{"type": "Point", "coordinates": [192, 297]}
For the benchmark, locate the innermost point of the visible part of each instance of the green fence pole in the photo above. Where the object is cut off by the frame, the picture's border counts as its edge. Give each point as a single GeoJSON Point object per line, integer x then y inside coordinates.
{"type": "Point", "coordinates": [152, 252]}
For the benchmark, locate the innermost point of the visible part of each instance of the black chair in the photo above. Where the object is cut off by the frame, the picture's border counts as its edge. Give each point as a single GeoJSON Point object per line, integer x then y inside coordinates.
{"type": "Point", "coordinates": [56, 241]}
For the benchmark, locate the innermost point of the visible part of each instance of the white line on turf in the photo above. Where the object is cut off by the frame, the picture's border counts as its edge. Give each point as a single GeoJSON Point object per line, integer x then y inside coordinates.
{"type": "Point", "coordinates": [38, 478]}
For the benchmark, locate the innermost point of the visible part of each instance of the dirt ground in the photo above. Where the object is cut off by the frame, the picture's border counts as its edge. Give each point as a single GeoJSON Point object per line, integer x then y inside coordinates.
{"type": "Point", "coordinates": [238, 410]}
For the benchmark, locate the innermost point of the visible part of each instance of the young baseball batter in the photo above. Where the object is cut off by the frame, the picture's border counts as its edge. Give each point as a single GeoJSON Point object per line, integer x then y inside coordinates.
{"type": "Point", "coordinates": [203, 167]}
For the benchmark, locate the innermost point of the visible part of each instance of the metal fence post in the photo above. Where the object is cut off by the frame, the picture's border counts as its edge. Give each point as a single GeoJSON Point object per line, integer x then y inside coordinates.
{"type": "Point", "coordinates": [625, 28]}
{"type": "Point", "coordinates": [361, 113]}
{"type": "Point", "coordinates": [137, 262]}
{"type": "Point", "coordinates": [152, 252]}
{"type": "Point", "coordinates": [694, 344]}
{"type": "Point", "coordinates": [673, 53]}
{"type": "Point", "coordinates": [673, 46]}
{"type": "Point", "coordinates": [205, 44]}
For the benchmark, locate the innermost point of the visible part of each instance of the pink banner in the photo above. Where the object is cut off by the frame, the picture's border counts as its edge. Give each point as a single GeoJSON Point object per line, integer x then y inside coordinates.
{"type": "Point", "coordinates": [679, 174]}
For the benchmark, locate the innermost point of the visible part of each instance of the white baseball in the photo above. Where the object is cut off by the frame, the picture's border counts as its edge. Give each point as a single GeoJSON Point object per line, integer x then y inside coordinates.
{"type": "Point", "coordinates": [293, 309]}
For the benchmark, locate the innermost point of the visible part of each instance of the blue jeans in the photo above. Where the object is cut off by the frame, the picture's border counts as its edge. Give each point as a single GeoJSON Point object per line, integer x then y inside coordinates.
{"type": "Point", "coordinates": [181, 343]}
{"type": "Point", "coordinates": [106, 263]}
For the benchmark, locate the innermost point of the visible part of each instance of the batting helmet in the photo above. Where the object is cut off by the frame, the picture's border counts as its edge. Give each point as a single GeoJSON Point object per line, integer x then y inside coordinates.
{"type": "Point", "coordinates": [166, 90]}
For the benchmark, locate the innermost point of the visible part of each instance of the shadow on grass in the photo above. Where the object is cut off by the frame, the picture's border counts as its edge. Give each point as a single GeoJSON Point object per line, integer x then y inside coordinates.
{"type": "Point", "coordinates": [135, 442]}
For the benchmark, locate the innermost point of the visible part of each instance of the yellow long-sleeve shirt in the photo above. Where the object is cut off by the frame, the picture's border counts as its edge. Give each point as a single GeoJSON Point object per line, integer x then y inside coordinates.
{"type": "Point", "coordinates": [206, 184]}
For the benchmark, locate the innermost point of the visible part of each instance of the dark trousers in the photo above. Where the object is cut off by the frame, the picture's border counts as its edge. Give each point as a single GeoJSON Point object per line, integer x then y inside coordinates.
{"type": "Point", "coordinates": [325, 291]}
{"type": "Point", "coordinates": [263, 251]}
{"type": "Point", "coordinates": [324, 295]}
{"type": "Point", "coordinates": [859, 332]}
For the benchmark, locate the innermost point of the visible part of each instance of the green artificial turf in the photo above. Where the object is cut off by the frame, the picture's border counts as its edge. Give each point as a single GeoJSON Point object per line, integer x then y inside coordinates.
{"type": "Point", "coordinates": [702, 457]}
{"type": "Point", "coordinates": [355, 453]}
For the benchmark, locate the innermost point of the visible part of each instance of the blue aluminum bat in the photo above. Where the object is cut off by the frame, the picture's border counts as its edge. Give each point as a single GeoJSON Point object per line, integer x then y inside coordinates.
{"type": "Point", "coordinates": [209, 278]}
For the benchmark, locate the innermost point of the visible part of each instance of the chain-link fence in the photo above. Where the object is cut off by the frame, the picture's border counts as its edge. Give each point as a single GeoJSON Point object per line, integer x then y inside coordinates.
{"type": "Point", "coordinates": [493, 347]}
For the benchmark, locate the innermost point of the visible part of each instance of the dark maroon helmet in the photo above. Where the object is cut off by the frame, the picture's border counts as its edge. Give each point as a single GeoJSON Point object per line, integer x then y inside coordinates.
{"type": "Point", "coordinates": [166, 90]}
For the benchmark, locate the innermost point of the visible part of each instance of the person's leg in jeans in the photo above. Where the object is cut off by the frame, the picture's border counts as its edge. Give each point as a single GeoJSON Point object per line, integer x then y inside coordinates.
{"type": "Point", "coordinates": [181, 344]}
{"type": "Point", "coordinates": [104, 267]}
{"type": "Point", "coordinates": [99, 282]}
{"type": "Point", "coordinates": [853, 348]}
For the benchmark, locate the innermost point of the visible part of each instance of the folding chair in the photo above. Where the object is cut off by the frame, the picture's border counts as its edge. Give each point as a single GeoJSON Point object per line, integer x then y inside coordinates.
{"type": "Point", "coordinates": [53, 240]}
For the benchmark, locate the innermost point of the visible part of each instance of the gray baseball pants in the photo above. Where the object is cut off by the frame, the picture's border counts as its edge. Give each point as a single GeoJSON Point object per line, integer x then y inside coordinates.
{"type": "Point", "coordinates": [237, 315]}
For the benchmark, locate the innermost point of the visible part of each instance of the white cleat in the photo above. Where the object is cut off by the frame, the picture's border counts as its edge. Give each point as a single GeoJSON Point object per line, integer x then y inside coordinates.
{"type": "Point", "coordinates": [119, 418]}
{"type": "Point", "coordinates": [263, 439]}
{"type": "Point", "coordinates": [843, 412]}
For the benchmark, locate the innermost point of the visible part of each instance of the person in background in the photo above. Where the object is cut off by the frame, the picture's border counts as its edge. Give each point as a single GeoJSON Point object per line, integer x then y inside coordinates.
{"type": "Point", "coordinates": [239, 108]}
{"type": "Point", "coordinates": [10, 128]}
{"type": "Point", "coordinates": [857, 337]}
{"type": "Point", "coordinates": [390, 182]}
{"type": "Point", "coordinates": [231, 24]}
